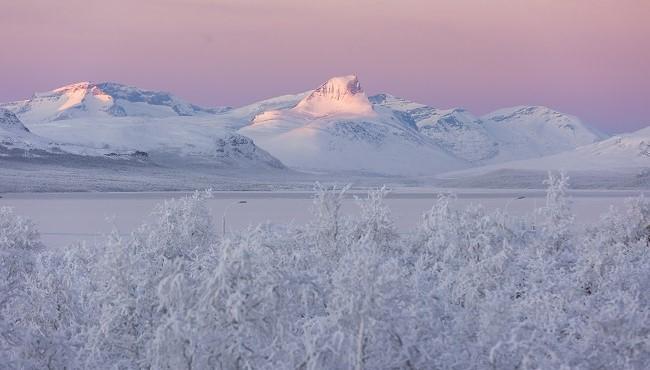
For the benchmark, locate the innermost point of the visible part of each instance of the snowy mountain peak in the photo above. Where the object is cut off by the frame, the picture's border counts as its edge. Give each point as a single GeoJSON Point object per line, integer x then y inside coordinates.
{"type": "Point", "coordinates": [97, 100]}
{"type": "Point", "coordinates": [339, 95]}
{"type": "Point", "coordinates": [338, 87]}
{"type": "Point", "coordinates": [84, 85]}
{"type": "Point", "coordinates": [9, 121]}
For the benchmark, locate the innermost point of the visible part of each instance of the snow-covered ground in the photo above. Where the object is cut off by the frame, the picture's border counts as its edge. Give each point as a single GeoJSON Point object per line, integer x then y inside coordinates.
{"type": "Point", "coordinates": [64, 218]}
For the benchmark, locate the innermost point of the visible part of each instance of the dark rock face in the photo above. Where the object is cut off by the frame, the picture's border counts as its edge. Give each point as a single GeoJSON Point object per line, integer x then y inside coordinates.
{"type": "Point", "coordinates": [8, 120]}
{"type": "Point", "coordinates": [337, 88]}
{"type": "Point", "coordinates": [136, 155]}
{"type": "Point", "coordinates": [644, 149]}
{"type": "Point", "coordinates": [235, 147]}
{"type": "Point", "coordinates": [134, 95]}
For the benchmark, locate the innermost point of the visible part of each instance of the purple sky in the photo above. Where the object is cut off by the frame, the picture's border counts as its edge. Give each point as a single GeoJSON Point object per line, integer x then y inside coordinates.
{"type": "Point", "coordinates": [590, 58]}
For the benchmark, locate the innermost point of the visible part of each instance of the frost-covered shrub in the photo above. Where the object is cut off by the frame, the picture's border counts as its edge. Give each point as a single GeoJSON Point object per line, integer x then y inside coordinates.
{"type": "Point", "coordinates": [329, 227]}
{"type": "Point", "coordinates": [467, 249]}
{"type": "Point", "coordinates": [131, 271]}
{"type": "Point", "coordinates": [17, 233]}
{"type": "Point", "coordinates": [375, 221]}
{"type": "Point", "coordinates": [614, 283]}
{"type": "Point", "coordinates": [62, 287]}
{"type": "Point", "coordinates": [19, 248]}
{"type": "Point", "coordinates": [555, 219]}
{"type": "Point", "coordinates": [467, 289]}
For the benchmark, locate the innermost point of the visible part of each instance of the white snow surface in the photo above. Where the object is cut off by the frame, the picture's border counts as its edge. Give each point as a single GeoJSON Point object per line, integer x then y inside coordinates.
{"type": "Point", "coordinates": [14, 135]}
{"type": "Point", "coordinates": [626, 151]}
{"type": "Point", "coordinates": [204, 139]}
{"type": "Point", "coordinates": [242, 116]}
{"type": "Point", "coordinates": [18, 140]}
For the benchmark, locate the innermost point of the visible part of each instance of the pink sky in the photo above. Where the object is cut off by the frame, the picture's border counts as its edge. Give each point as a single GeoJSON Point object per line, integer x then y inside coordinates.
{"type": "Point", "coordinates": [590, 58]}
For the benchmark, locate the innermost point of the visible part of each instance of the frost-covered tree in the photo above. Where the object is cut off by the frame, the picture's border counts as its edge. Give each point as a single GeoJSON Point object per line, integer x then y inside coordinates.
{"type": "Point", "coordinates": [467, 288]}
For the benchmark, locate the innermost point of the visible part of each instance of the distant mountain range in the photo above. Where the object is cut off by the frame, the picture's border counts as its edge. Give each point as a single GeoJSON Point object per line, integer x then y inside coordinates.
{"type": "Point", "coordinates": [336, 128]}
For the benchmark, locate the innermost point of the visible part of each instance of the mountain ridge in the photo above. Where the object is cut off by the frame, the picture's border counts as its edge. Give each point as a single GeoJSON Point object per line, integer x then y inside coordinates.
{"type": "Point", "coordinates": [512, 133]}
{"type": "Point", "coordinates": [336, 127]}
{"type": "Point", "coordinates": [105, 99]}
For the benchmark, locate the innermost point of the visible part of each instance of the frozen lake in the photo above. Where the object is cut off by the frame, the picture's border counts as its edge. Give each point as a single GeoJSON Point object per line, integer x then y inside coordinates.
{"type": "Point", "coordinates": [63, 218]}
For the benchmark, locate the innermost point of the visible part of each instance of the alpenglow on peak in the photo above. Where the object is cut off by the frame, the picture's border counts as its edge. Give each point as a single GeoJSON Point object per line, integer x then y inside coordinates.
{"type": "Point", "coordinates": [342, 95]}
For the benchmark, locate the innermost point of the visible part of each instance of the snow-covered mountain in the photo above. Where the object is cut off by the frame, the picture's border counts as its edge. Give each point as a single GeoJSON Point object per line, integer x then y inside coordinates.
{"type": "Point", "coordinates": [533, 131]}
{"type": "Point", "coordinates": [622, 161]}
{"type": "Point", "coordinates": [336, 128]}
{"type": "Point", "coordinates": [90, 100]}
{"type": "Point", "coordinates": [18, 142]}
{"type": "Point", "coordinates": [625, 151]}
{"type": "Point", "coordinates": [504, 135]}
{"type": "Point", "coordinates": [170, 141]}
{"type": "Point", "coordinates": [115, 121]}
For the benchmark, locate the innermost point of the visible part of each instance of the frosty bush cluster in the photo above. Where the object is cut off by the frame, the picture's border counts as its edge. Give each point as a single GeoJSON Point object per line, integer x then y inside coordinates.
{"type": "Point", "coordinates": [467, 289]}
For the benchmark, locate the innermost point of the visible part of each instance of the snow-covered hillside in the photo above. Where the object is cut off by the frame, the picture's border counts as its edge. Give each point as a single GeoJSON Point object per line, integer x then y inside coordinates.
{"type": "Point", "coordinates": [15, 138]}
{"type": "Point", "coordinates": [504, 135]}
{"type": "Point", "coordinates": [170, 141]}
{"type": "Point", "coordinates": [533, 131]}
{"type": "Point", "coordinates": [336, 128]}
{"type": "Point", "coordinates": [115, 121]}
{"type": "Point", "coordinates": [18, 142]}
{"type": "Point", "coordinates": [242, 116]}
{"type": "Point", "coordinates": [9, 122]}
{"type": "Point", "coordinates": [90, 100]}
{"type": "Point", "coordinates": [626, 151]}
